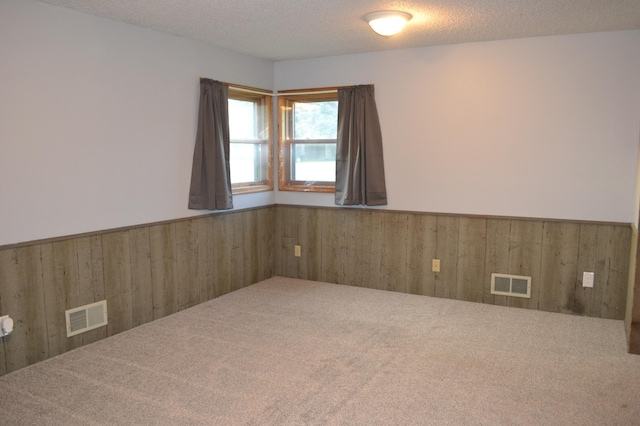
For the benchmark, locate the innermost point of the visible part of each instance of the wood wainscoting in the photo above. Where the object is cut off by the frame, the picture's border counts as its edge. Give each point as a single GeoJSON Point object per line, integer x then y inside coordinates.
{"type": "Point", "coordinates": [393, 251]}
{"type": "Point", "coordinates": [144, 273]}
{"type": "Point", "coordinates": [150, 271]}
{"type": "Point", "coordinates": [632, 321]}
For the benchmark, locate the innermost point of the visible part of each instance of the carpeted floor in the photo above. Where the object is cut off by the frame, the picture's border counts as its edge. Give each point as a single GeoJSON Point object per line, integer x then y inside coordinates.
{"type": "Point", "coordinates": [288, 351]}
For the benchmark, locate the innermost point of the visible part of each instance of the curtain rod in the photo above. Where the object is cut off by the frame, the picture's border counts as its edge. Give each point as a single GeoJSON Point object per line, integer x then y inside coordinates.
{"type": "Point", "coordinates": [245, 89]}
{"type": "Point", "coordinates": [283, 93]}
{"type": "Point", "coordinates": [257, 92]}
{"type": "Point", "coordinates": [315, 92]}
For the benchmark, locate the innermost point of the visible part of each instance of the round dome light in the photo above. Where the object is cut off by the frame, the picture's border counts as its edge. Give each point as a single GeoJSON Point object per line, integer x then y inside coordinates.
{"type": "Point", "coordinates": [387, 22]}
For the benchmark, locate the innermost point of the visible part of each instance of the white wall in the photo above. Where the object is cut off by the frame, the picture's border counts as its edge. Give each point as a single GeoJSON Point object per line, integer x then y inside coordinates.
{"type": "Point", "coordinates": [98, 119]}
{"type": "Point", "coordinates": [541, 127]}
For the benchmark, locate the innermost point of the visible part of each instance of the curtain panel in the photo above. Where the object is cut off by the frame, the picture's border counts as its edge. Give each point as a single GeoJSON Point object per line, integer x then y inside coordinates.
{"type": "Point", "coordinates": [359, 163]}
{"type": "Point", "coordinates": [210, 176]}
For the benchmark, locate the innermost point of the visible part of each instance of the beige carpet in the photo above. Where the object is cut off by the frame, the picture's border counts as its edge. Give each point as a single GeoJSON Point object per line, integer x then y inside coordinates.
{"type": "Point", "coordinates": [288, 351]}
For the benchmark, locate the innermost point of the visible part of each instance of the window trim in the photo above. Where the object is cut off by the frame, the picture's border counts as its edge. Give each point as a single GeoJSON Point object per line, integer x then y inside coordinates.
{"type": "Point", "coordinates": [285, 140]}
{"type": "Point", "coordinates": [246, 93]}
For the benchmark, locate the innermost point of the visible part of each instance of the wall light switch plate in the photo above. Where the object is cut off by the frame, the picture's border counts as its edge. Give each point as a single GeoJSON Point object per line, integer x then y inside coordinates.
{"type": "Point", "coordinates": [435, 265]}
{"type": "Point", "coordinates": [296, 251]}
{"type": "Point", "coordinates": [587, 279]}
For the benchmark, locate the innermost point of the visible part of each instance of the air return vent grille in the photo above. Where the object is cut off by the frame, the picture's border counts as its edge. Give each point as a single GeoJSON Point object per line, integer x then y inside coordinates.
{"type": "Point", "coordinates": [511, 285]}
{"type": "Point", "coordinates": [85, 318]}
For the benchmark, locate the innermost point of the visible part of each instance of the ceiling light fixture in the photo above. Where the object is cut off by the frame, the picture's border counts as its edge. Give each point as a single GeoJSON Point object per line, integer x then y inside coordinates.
{"type": "Point", "coordinates": [387, 22]}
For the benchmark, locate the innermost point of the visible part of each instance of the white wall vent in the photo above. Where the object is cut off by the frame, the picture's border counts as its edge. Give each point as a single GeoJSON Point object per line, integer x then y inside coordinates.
{"type": "Point", "coordinates": [85, 318]}
{"type": "Point", "coordinates": [511, 285]}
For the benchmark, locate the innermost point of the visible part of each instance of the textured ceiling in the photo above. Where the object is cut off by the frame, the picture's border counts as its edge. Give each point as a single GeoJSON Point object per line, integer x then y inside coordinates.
{"type": "Point", "coordinates": [295, 29]}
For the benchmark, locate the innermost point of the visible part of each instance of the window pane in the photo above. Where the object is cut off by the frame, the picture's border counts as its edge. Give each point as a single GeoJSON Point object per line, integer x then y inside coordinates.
{"type": "Point", "coordinates": [242, 120]}
{"type": "Point", "coordinates": [250, 147]}
{"type": "Point", "coordinates": [244, 159]}
{"type": "Point", "coordinates": [313, 162]}
{"type": "Point", "coordinates": [315, 120]}
{"type": "Point", "coordinates": [307, 134]}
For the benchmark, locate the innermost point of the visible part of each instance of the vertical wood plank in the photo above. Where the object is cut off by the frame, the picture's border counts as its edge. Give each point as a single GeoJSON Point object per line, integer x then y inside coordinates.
{"type": "Point", "coordinates": [22, 297]}
{"type": "Point", "coordinates": [238, 250]}
{"type": "Point", "coordinates": [289, 262]}
{"type": "Point", "coordinates": [252, 240]}
{"type": "Point", "coordinates": [90, 275]}
{"type": "Point", "coordinates": [422, 231]}
{"type": "Point", "coordinates": [333, 246]}
{"type": "Point", "coordinates": [117, 279]}
{"type": "Point", "coordinates": [614, 299]}
{"type": "Point", "coordinates": [472, 246]}
{"type": "Point", "coordinates": [447, 252]}
{"type": "Point", "coordinates": [353, 242]}
{"type": "Point", "coordinates": [141, 283]}
{"type": "Point", "coordinates": [267, 250]}
{"type": "Point", "coordinates": [222, 228]}
{"type": "Point", "coordinates": [603, 250]}
{"type": "Point", "coordinates": [3, 358]}
{"type": "Point", "coordinates": [189, 291]}
{"type": "Point", "coordinates": [61, 292]}
{"type": "Point", "coordinates": [278, 238]}
{"type": "Point", "coordinates": [559, 266]}
{"type": "Point", "coordinates": [287, 234]}
{"type": "Point", "coordinates": [393, 252]}
{"type": "Point", "coordinates": [364, 245]}
{"type": "Point", "coordinates": [496, 257]}
{"type": "Point", "coordinates": [634, 321]}
{"type": "Point", "coordinates": [245, 258]}
{"type": "Point", "coordinates": [91, 279]}
{"type": "Point", "coordinates": [586, 298]}
{"type": "Point", "coordinates": [164, 278]}
{"type": "Point", "coordinates": [206, 257]}
{"type": "Point", "coordinates": [310, 238]}
{"type": "Point", "coordinates": [604, 246]}
{"type": "Point", "coordinates": [525, 258]}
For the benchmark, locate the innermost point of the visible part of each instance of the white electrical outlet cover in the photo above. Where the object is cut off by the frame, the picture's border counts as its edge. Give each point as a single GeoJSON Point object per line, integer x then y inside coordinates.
{"type": "Point", "coordinates": [6, 325]}
{"type": "Point", "coordinates": [587, 279]}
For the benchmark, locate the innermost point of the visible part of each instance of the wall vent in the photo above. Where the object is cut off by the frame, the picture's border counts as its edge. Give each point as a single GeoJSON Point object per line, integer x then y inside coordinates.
{"type": "Point", "coordinates": [85, 318]}
{"type": "Point", "coordinates": [511, 285]}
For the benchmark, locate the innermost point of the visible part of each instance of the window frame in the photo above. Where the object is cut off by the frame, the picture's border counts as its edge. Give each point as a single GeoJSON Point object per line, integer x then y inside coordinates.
{"type": "Point", "coordinates": [264, 99]}
{"type": "Point", "coordinates": [285, 138]}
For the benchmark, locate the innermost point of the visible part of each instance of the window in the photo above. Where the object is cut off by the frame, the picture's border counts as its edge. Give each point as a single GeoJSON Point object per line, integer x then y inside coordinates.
{"type": "Point", "coordinates": [250, 149]}
{"type": "Point", "coordinates": [307, 140]}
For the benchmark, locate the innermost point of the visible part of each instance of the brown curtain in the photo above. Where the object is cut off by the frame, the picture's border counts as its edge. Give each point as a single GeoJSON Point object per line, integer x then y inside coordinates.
{"type": "Point", "coordinates": [210, 177]}
{"type": "Point", "coordinates": [359, 162]}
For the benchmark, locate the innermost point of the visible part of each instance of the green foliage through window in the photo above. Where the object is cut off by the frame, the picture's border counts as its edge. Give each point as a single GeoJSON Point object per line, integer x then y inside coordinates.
{"type": "Point", "coordinates": [307, 141]}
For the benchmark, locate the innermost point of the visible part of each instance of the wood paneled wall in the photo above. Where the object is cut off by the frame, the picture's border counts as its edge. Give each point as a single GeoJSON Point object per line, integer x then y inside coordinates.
{"type": "Point", "coordinates": [148, 272]}
{"type": "Point", "coordinates": [633, 302]}
{"type": "Point", "coordinates": [393, 251]}
{"type": "Point", "coordinates": [144, 272]}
